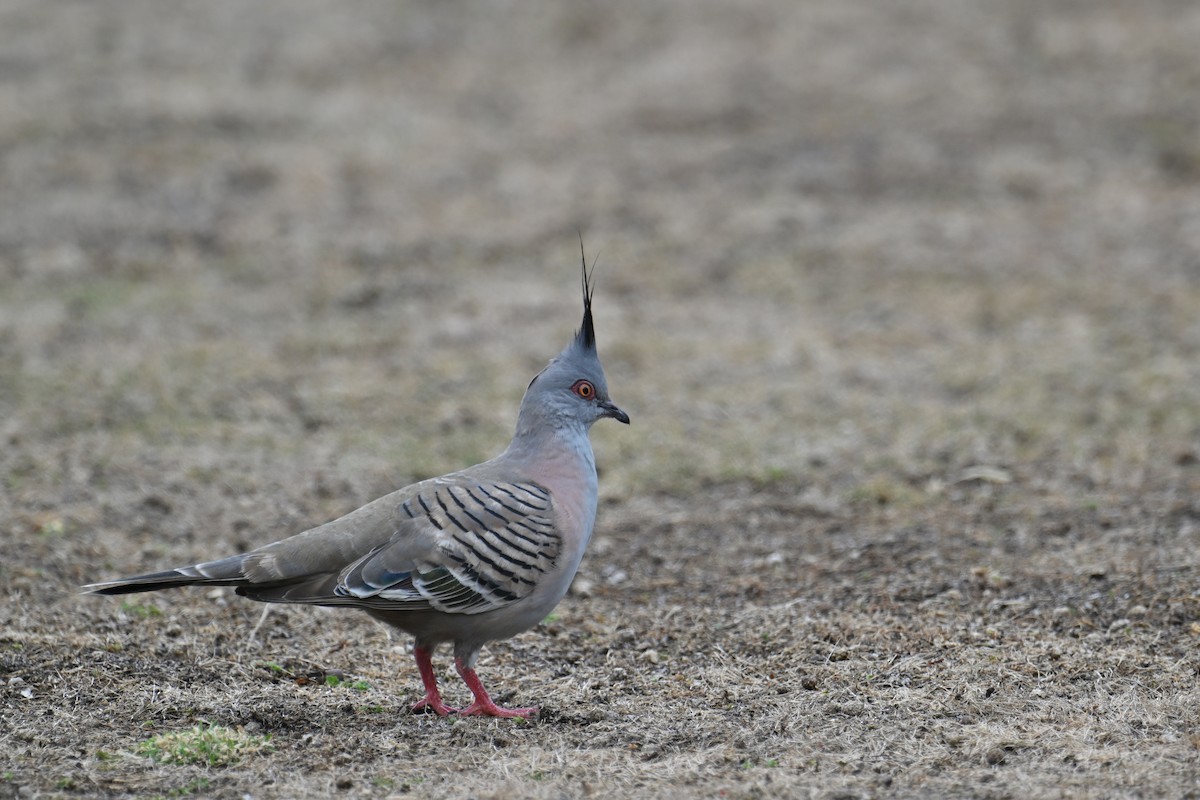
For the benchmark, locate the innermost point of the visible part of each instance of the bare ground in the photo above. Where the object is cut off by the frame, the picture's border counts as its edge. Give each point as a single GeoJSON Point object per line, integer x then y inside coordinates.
{"type": "Point", "coordinates": [904, 300]}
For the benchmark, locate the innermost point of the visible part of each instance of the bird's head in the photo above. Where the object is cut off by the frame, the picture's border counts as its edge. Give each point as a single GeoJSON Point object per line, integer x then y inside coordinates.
{"type": "Point", "coordinates": [572, 387]}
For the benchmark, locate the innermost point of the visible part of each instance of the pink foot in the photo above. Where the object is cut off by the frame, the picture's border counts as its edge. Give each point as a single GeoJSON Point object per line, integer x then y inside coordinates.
{"type": "Point", "coordinates": [483, 705]}
{"type": "Point", "coordinates": [432, 701]}
{"type": "Point", "coordinates": [490, 709]}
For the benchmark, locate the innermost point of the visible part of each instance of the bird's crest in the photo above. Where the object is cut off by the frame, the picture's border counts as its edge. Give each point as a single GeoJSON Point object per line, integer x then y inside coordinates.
{"type": "Point", "coordinates": [585, 337]}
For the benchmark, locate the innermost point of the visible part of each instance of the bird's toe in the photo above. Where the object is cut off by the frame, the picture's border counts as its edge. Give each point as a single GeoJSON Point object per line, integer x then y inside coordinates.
{"type": "Point", "coordinates": [478, 709]}
{"type": "Point", "coordinates": [433, 705]}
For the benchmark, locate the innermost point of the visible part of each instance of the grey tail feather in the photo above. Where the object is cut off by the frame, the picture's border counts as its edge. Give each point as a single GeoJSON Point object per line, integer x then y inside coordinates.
{"type": "Point", "coordinates": [586, 336]}
{"type": "Point", "coordinates": [225, 572]}
{"type": "Point", "coordinates": [309, 590]}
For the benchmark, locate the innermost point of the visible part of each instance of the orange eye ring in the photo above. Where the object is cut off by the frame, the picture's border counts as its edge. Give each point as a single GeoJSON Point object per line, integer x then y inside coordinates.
{"type": "Point", "coordinates": [584, 389]}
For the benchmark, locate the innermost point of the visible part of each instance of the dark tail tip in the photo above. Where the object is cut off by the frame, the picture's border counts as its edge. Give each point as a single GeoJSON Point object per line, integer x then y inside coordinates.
{"type": "Point", "coordinates": [171, 579]}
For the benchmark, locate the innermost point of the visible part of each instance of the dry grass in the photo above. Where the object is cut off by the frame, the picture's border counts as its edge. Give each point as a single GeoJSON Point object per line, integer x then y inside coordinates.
{"type": "Point", "coordinates": [902, 300]}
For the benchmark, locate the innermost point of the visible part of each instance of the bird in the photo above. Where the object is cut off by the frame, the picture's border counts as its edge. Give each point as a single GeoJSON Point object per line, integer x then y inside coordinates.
{"type": "Point", "coordinates": [464, 559]}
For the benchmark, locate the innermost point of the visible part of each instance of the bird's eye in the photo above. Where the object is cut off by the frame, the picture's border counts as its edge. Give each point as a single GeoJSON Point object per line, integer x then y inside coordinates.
{"type": "Point", "coordinates": [584, 389]}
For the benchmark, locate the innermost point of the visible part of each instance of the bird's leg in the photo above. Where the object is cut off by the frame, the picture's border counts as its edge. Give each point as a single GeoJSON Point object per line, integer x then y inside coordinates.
{"type": "Point", "coordinates": [483, 705]}
{"type": "Point", "coordinates": [432, 701]}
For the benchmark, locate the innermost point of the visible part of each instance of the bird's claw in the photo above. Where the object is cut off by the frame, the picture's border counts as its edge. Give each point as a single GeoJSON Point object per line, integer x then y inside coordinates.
{"type": "Point", "coordinates": [489, 709]}
{"type": "Point", "coordinates": [434, 704]}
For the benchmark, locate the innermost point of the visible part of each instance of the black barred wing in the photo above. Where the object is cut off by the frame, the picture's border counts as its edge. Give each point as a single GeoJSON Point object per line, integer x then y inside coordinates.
{"type": "Point", "coordinates": [462, 547]}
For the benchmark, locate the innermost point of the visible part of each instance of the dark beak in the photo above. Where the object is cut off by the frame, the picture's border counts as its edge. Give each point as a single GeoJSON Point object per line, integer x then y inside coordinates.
{"type": "Point", "coordinates": [610, 410]}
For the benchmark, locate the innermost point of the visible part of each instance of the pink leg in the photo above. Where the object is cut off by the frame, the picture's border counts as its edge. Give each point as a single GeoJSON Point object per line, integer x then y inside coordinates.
{"type": "Point", "coordinates": [483, 705]}
{"type": "Point", "coordinates": [432, 699]}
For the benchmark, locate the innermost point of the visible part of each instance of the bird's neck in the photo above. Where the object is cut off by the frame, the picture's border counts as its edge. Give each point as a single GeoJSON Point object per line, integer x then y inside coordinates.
{"type": "Point", "coordinates": [563, 446]}
{"type": "Point", "coordinates": [560, 460]}
{"type": "Point", "coordinates": [552, 448]}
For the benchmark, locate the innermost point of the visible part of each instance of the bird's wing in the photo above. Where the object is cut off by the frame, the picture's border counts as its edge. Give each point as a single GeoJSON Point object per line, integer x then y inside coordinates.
{"type": "Point", "coordinates": [460, 546]}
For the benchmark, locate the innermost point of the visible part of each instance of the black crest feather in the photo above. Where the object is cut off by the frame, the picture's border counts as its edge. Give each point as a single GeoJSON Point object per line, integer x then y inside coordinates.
{"type": "Point", "coordinates": [585, 337]}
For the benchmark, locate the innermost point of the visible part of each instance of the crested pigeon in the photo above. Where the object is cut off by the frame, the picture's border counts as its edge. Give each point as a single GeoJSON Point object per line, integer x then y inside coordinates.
{"type": "Point", "coordinates": [467, 558]}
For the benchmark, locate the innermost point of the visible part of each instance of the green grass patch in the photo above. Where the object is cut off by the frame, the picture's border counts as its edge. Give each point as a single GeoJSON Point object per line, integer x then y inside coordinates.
{"type": "Point", "coordinates": [197, 786]}
{"type": "Point", "coordinates": [141, 610]}
{"type": "Point", "coordinates": [54, 526]}
{"type": "Point", "coordinates": [211, 745]}
{"type": "Point", "coordinates": [334, 681]}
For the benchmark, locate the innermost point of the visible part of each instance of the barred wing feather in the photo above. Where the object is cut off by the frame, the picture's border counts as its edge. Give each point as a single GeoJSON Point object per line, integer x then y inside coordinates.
{"type": "Point", "coordinates": [492, 542]}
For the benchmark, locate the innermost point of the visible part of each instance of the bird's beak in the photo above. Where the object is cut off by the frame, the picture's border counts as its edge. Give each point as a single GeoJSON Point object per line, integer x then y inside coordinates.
{"type": "Point", "coordinates": [611, 410]}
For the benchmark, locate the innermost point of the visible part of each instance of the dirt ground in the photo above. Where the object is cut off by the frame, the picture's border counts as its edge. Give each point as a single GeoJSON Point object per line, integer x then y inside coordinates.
{"type": "Point", "coordinates": [903, 299]}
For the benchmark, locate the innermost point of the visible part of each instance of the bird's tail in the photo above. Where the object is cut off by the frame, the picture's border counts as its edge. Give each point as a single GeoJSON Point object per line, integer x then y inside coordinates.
{"type": "Point", "coordinates": [225, 572]}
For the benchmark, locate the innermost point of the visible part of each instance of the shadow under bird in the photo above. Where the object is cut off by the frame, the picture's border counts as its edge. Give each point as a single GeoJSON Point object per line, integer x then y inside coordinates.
{"type": "Point", "coordinates": [467, 558]}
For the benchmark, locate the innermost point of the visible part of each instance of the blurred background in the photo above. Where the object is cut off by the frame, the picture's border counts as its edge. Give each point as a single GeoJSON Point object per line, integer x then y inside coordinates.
{"type": "Point", "coordinates": [855, 248]}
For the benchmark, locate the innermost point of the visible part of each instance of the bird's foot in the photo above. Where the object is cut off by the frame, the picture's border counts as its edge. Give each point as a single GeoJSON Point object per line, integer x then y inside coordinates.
{"type": "Point", "coordinates": [483, 705]}
{"type": "Point", "coordinates": [490, 709]}
{"type": "Point", "coordinates": [432, 702]}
